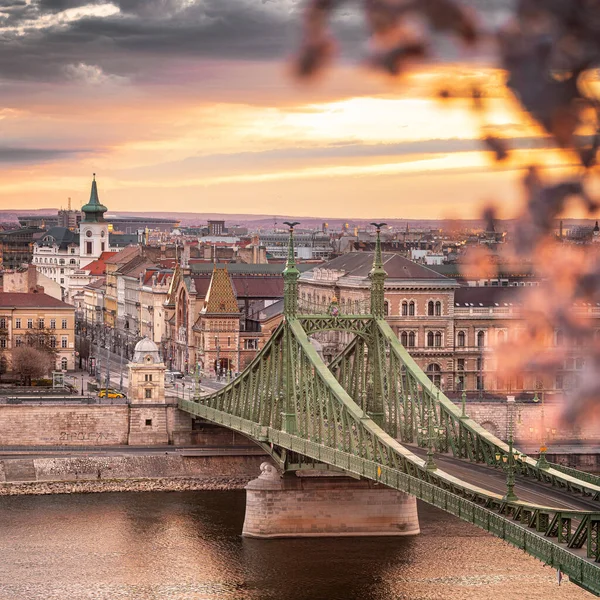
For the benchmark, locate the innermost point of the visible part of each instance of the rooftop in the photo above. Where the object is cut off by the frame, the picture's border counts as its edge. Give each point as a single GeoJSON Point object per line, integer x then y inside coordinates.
{"type": "Point", "coordinates": [30, 300]}
{"type": "Point", "coordinates": [359, 264]}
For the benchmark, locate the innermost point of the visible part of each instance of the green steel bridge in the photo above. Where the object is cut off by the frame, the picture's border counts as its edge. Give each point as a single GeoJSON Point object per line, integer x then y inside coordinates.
{"type": "Point", "coordinates": [364, 411]}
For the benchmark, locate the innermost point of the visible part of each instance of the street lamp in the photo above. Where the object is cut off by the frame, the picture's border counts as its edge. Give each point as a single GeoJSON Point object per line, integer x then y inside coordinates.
{"type": "Point", "coordinates": [508, 462]}
{"type": "Point", "coordinates": [542, 463]}
{"type": "Point", "coordinates": [82, 384]}
{"type": "Point", "coordinates": [464, 405]}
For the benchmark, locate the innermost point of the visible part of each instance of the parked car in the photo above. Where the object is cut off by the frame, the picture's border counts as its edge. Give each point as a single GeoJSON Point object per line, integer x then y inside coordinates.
{"type": "Point", "coordinates": [111, 394]}
{"type": "Point", "coordinates": [172, 376]}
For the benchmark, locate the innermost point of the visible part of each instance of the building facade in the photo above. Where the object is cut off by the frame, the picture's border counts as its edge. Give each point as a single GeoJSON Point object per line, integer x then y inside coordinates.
{"type": "Point", "coordinates": [27, 317]}
{"type": "Point", "coordinates": [450, 330]}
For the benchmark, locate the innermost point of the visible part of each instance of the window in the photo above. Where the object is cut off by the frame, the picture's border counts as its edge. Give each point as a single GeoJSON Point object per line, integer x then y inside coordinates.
{"type": "Point", "coordinates": [251, 344]}
{"type": "Point", "coordinates": [430, 339]}
{"type": "Point", "coordinates": [559, 384]}
{"type": "Point", "coordinates": [434, 373]}
{"type": "Point", "coordinates": [148, 393]}
{"type": "Point", "coordinates": [62, 280]}
{"type": "Point", "coordinates": [3, 323]}
{"type": "Point", "coordinates": [64, 342]}
{"type": "Point", "coordinates": [18, 341]}
{"type": "Point", "coordinates": [53, 341]}
{"type": "Point", "coordinates": [148, 422]}
{"type": "Point", "coordinates": [461, 339]}
{"type": "Point", "coordinates": [437, 339]}
{"type": "Point", "coordinates": [438, 309]}
{"type": "Point", "coordinates": [480, 382]}
{"type": "Point", "coordinates": [480, 339]}
{"type": "Point", "coordinates": [460, 364]}
{"type": "Point", "coordinates": [460, 383]}
{"type": "Point", "coordinates": [411, 309]}
{"type": "Point", "coordinates": [411, 339]}
{"type": "Point", "coordinates": [2, 342]}
{"type": "Point", "coordinates": [62, 261]}
{"type": "Point", "coordinates": [52, 323]}
{"type": "Point", "coordinates": [72, 261]}
{"type": "Point", "coordinates": [64, 363]}
{"type": "Point", "coordinates": [404, 338]}
{"type": "Point", "coordinates": [386, 308]}
{"type": "Point", "coordinates": [88, 247]}
{"type": "Point", "coordinates": [500, 337]}
{"type": "Point", "coordinates": [40, 323]}
{"type": "Point", "coordinates": [430, 308]}
{"type": "Point", "coordinates": [148, 377]}
{"type": "Point", "coordinates": [62, 271]}
{"type": "Point", "coordinates": [405, 309]}
{"type": "Point", "coordinates": [228, 341]}
{"type": "Point", "coordinates": [64, 323]}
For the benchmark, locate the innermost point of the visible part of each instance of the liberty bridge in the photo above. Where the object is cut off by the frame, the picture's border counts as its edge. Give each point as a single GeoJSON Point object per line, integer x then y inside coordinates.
{"type": "Point", "coordinates": [373, 414]}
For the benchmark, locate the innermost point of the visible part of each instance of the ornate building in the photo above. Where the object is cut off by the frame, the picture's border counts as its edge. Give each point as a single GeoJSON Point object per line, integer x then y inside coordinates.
{"type": "Point", "coordinates": [217, 329]}
{"type": "Point", "coordinates": [192, 322]}
{"type": "Point", "coordinates": [450, 330]}
{"type": "Point", "coordinates": [146, 394]}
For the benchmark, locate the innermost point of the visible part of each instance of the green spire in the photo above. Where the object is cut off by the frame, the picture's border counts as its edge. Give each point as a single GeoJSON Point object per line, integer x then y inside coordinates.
{"type": "Point", "coordinates": [93, 210]}
{"type": "Point", "coordinates": [378, 277]}
{"type": "Point", "coordinates": [290, 277]}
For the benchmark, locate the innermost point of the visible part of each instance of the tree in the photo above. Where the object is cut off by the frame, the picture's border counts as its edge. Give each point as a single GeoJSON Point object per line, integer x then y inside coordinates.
{"type": "Point", "coordinates": [30, 363]}
{"type": "Point", "coordinates": [550, 54]}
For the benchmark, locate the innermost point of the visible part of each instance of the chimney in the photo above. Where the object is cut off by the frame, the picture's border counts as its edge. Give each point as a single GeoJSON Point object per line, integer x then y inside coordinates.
{"type": "Point", "coordinates": [31, 278]}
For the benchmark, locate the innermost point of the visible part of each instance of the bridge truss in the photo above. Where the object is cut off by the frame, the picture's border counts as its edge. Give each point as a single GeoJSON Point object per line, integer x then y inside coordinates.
{"type": "Point", "coordinates": [358, 414]}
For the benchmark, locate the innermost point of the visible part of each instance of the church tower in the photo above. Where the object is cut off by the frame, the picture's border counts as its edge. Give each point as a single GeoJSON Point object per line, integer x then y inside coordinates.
{"type": "Point", "coordinates": [93, 230]}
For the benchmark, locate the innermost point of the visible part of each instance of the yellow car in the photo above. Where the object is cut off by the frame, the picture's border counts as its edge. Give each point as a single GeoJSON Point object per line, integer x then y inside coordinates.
{"type": "Point", "coordinates": [111, 394]}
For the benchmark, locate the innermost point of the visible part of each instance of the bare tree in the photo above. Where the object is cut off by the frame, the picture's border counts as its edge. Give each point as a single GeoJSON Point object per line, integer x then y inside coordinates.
{"type": "Point", "coordinates": [30, 363]}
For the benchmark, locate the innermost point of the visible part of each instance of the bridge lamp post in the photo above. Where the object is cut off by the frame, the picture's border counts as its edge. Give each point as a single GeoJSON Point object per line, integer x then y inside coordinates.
{"type": "Point", "coordinates": [508, 462]}
{"type": "Point", "coordinates": [542, 463]}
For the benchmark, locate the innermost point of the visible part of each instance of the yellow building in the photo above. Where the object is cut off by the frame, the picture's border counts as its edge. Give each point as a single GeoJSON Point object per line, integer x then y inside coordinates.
{"type": "Point", "coordinates": [24, 316]}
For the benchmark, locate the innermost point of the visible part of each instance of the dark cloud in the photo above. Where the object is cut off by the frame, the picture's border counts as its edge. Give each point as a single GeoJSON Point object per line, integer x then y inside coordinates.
{"type": "Point", "coordinates": [146, 34]}
{"type": "Point", "coordinates": [14, 156]}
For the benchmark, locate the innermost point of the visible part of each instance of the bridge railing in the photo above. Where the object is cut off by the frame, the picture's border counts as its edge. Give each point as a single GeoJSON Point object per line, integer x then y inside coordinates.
{"type": "Point", "coordinates": [465, 437]}
{"type": "Point", "coordinates": [525, 526]}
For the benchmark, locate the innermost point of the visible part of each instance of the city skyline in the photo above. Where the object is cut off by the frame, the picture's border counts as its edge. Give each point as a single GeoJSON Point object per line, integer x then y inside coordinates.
{"type": "Point", "coordinates": [205, 117]}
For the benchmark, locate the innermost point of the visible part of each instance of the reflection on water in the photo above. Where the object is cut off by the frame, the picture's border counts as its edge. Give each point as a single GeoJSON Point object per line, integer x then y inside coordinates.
{"type": "Point", "coordinates": [187, 546]}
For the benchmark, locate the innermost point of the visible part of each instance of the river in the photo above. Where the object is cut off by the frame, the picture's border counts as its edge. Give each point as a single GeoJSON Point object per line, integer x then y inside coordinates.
{"type": "Point", "coordinates": [187, 546]}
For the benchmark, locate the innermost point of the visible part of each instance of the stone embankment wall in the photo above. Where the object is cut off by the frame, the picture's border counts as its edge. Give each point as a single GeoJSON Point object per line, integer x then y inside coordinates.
{"type": "Point", "coordinates": [70, 425]}
{"type": "Point", "coordinates": [125, 473]}
{"type": "Point", "coordinates": [527, 422]}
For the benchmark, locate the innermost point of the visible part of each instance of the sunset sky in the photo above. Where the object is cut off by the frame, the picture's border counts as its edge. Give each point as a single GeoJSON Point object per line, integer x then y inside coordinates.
{"type": "Point", "coordinates": [188, 105]}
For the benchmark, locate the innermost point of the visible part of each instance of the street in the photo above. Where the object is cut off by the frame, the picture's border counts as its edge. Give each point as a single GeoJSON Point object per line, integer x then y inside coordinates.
{"type": "Point", "coordinates": [181, 388]}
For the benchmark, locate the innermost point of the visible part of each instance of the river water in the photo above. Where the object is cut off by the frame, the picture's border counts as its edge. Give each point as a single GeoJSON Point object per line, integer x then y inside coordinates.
{"type": "Point", "coordinates": [187, 546]}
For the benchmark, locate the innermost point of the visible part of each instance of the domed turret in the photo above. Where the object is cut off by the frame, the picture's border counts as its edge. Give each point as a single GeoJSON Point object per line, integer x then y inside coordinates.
{"type": "Point", "coordinates": [146, 353]}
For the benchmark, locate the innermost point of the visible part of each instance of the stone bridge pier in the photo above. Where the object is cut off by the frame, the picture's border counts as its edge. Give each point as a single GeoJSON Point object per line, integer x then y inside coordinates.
{"type": "Point", "coordinates": [324, 504]}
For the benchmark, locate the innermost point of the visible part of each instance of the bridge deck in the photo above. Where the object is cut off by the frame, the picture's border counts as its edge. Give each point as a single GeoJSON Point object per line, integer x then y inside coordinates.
{"type": "Point", "coordinates": [494, 480]}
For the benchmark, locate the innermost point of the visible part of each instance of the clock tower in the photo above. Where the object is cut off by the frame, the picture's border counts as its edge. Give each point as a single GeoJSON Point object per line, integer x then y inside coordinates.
{"type": "Point", "coordinates": [93, 230]}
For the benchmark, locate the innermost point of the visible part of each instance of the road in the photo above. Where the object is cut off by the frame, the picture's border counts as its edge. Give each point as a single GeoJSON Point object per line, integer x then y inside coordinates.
{"type": "Point", "coordinates": [494, 480]}
{"type": "Point", "coordinates": [182, 387]}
